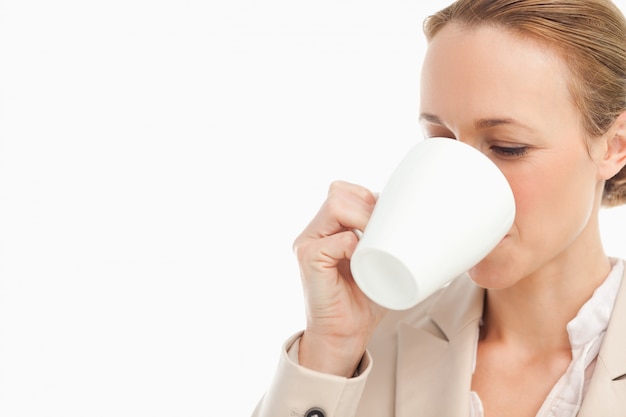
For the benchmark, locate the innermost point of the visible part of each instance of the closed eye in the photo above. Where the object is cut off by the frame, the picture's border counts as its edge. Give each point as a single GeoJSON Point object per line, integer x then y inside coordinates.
{"type": "Point", "coordinates": [510, 151]}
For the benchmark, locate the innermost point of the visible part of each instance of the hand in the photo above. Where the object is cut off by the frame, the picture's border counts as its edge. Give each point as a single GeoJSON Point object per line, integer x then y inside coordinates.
{"type": "Point", "coordinates": [340, 318]}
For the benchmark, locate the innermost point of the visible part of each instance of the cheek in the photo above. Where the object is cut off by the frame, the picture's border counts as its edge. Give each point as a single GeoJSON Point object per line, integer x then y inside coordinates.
{"type": "Point", "coordinates": [527, 192]}
{"type": "Point", "coordinates": [558, 193]}
{"type": "Point", "coordinates": [537, 194]}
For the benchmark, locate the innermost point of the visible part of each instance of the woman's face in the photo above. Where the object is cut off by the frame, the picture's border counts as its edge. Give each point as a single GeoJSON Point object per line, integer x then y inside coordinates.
{"type": "Point", "coordinates": [509, 98]}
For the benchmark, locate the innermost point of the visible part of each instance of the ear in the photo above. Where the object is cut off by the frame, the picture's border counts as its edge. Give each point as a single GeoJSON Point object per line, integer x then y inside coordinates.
{"type": "Point", "coordinates": [613, 149]}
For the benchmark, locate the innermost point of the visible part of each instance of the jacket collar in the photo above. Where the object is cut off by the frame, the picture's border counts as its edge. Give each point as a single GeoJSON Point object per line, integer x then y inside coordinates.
{"type": "Point", "coordinates": [434, 375]}
{"type": "Point", "coordinates": [460, 304]}
{"type": "Point", "coordinates": [613, 351]}
{"type": "Point", "coordinates": [606, 394]}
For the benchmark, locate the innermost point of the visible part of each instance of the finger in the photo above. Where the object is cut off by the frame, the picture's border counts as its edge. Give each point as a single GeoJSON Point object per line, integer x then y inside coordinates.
{"type": "Point", "coordinates": [346, 208]}
{"type": "Point", "coordinates": [358, 190]}
{"type": "Point", "coordinates": [337, 215]}
{"type": "Point", "coordinates": [321, 255]}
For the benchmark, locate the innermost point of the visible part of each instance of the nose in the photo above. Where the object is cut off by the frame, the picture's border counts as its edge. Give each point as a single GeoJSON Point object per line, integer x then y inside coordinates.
{"type": "Point", "coordinates": [473, 142]}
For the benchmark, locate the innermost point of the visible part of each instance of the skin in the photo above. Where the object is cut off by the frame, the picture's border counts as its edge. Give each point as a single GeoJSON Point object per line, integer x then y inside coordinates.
{"type": "Point", "coordinates": [509, 98]}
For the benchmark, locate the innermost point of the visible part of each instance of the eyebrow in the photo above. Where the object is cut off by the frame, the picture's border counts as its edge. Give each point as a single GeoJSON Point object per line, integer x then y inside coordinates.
{"type": "Point", "coordinates": [478, 124]}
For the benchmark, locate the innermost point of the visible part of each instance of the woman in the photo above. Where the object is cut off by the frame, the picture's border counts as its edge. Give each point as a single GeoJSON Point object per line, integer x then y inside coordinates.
{"type": "Point", "coordinates": [537, 328]}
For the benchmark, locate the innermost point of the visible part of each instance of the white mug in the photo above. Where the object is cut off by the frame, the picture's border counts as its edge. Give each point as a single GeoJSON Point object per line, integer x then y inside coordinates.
{"type": "Point", "coordinates": [444, 208]}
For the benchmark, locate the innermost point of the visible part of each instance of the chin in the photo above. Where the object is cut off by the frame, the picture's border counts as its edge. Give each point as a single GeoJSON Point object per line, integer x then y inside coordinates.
{"type": "Point", "coordinates": [493, 274]}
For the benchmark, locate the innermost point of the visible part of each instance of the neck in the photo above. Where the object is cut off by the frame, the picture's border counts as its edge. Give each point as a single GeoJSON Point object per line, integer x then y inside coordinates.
{"type": "Point", "coordinates": [534, 313]}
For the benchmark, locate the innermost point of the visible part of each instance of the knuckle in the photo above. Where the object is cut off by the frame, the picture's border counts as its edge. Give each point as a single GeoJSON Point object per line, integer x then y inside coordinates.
{"type": "Point", "coordinates": [302, 250]}
{"type": "Point", "coordinates": [349, 239]}
{"type": "Point", "coordinates": [334, 207]}
{"type": "Point", "coordinates": [295, 246]}
{"type": "Point", "coordinates": [336, 185]}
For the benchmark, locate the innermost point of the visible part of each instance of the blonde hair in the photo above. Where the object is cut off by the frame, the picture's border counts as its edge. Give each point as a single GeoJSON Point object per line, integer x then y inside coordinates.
{"type": "Point", "coordinates": [590, 35]}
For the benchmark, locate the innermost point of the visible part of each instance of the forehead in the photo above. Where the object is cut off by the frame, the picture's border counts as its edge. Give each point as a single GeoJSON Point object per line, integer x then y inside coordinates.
{"type": "Point", "coordinates": [491, 69]}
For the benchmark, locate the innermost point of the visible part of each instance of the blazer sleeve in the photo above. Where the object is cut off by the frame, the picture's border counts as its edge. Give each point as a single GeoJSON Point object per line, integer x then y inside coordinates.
{"type": "Point", "coordinates": [299, 391]}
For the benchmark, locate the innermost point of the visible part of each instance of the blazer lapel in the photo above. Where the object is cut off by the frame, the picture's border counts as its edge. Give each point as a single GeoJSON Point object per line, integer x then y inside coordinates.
{"type": "Point", "coordinates": [606, 395]}
{"type": "Point", "coordinates": [436, 355]}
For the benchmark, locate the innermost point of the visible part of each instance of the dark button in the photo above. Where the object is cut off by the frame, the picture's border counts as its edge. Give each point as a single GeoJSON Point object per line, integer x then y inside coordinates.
{"type": "Point", "coordinates": [315, 412]}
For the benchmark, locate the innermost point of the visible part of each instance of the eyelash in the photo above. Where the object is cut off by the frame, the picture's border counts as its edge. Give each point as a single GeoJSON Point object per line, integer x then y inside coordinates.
{"type": "Point", "coordinates": [510, 152]}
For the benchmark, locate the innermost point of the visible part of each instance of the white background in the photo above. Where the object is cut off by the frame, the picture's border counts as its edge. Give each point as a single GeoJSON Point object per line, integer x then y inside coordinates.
{"type": "Point", "coordinates": [157, 159]}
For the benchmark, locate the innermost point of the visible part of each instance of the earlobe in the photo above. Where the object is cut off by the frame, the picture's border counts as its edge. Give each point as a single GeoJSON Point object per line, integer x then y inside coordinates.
{"type": "Point", "coordinates": [614, 158]}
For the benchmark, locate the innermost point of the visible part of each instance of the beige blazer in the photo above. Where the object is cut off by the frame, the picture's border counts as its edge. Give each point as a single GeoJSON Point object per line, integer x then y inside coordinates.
{"type": "Point", "coordinates": [419, 364]}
